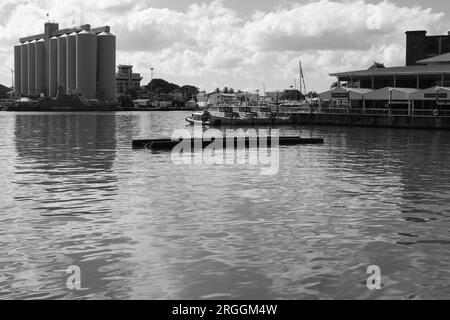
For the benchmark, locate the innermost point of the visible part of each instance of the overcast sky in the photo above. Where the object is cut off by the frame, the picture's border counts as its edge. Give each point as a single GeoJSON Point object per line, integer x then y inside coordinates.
{"type": "Point", "coordinates": [236, 43]}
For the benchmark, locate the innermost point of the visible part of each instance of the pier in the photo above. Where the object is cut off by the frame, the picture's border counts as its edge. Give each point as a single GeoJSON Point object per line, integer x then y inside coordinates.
{"type": "Point", "coordinates": [374, 120]}
{"type": "Point", "coordinates": [236, 142]}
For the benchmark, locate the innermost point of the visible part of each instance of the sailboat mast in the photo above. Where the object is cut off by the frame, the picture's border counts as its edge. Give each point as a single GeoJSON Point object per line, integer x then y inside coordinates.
{"type": "Point", "coordinates": [300, 75]}
{"type": "Point", "coordinates": [302, 78]}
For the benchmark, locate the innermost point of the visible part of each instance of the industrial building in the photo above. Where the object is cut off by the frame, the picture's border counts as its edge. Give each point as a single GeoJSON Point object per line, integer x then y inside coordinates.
{"type": "Point", "coordinates": [77, 60]}
{"type": "Point", "coordinates": [126, 79]}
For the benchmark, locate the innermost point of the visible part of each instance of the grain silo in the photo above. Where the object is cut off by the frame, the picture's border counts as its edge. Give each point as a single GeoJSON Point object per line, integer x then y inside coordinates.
{"type": "Point", "coordinates": [106, 66]}
{"type": "Point", "coordinates": [62, 65]}
{"type": "Point", "coordinates": [52, 67]}
{"type": "Point", "coordinates": [31, 67]}
{"type": "Point", "coordinates": [71, 59]}
{"type": "Point", "coordinates": [40, 63]}
{"type": "Point", "coordinates": [86, 64]}
{"type": "Point", "coordinates": [17, 73]}
{"type": "Point", "coordinates": [78, 59]}
{"type": "Point", "coordinates": [24, 68]}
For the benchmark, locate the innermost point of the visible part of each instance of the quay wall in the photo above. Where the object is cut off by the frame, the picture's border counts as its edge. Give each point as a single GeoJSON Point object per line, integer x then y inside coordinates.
{"type": "Point", "coordinates": [381, 121]}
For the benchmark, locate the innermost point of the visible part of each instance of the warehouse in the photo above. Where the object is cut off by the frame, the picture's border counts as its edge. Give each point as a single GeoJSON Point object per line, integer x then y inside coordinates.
{"type": "Point", "coordinates": [77, 60]}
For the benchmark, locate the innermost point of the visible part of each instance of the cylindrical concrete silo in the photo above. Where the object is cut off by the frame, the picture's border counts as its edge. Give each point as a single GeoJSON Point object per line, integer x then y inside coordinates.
{"type": "Point", "coordinates": [52, 67]}
{"type": "Point", "coordinates": [86, 64]}
{"type": "Point", "coordinates": [31, 67]}
{"type": "Point", "coordinates": [40, 63]}
{"type": "Point", "coordinates": [71, 59]}
{"type": "Point", "coordinates": [62, 65]}
{"type": "Point", "coordinates": [24, 68]}
{"type": "Point", "coordinates": [17, 62]}
{"type": "Point", "coordinates": [106, 65]}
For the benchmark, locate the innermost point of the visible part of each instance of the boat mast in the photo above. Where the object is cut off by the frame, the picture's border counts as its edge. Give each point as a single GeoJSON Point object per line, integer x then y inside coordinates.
{"type": "Point", "coordinates": [302, 78]}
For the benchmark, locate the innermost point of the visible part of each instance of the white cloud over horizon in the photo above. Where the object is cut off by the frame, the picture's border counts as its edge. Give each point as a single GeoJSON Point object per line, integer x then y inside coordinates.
{"type": "Point", "coordinates": [212, 45]}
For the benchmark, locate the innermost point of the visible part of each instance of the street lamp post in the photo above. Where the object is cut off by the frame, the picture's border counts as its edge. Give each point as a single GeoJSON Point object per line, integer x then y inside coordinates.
{"type": "Point", "coordinates": [151, 79]}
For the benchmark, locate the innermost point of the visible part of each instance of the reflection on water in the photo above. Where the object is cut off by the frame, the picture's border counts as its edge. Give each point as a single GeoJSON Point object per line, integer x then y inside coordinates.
{"type": "Point", "coordinates": [139, 226]}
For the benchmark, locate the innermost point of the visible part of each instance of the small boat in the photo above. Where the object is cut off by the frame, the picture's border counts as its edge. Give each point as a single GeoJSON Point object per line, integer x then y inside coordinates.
{"type": "Point", "coordinates": [200, 117]}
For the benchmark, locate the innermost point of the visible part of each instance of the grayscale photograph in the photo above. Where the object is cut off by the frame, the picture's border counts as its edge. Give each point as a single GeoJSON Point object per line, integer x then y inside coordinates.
{"type": "Point", "coordinates": [247, 152]}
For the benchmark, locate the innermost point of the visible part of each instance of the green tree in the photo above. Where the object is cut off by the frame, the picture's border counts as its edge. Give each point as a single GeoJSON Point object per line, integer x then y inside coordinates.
{"type": "Point", "coordinates": [132, 93]}
{"type": "Point", "coordinates": [161, 86]}
{"type": "Point", "coordinates": [125, 100]}
{"type": "Point", "coordinates": [189, 92]}
{"type": "Point", "coordinates": [312, 94]}
{"type": "Point", "coordinates": [292, 95]}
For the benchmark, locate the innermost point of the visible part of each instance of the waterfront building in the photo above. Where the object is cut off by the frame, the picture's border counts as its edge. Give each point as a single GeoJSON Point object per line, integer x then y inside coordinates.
{"type": "Point", "coordinates": [77, 60]}
{"type": "Point", "coordinates": [398, 87]}
{"type": "Point", "coordinates": [142, 103]}
{"type": "Point", "coordinates": [202, 99]}
{"type": "Point", "coordinates": [126, 79]}
{"type": "Point", "coordinates": [220, 98]}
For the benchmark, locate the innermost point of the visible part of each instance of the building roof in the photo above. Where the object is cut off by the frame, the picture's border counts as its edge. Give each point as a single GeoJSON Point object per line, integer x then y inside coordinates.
{"type": "Point", "coordinates": [4, 89]}
{"type": "Point", "coordinates": [394, 93]}
{"type": "Point", "coordinates": [67, 31]}
{"type": "Point", "coordinates": [359, 90]}
{"type": "Point", "coordinates": [408, 70]}
{"type": "Point", "coordinates": [431, 93]}
{"type": "Point", "coordinates": [352, 93]}
{"type": "Point", "coordinates": [437, 59]}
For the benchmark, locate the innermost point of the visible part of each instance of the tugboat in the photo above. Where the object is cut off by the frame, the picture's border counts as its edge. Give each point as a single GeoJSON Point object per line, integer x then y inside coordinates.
{"type": "Point", "coordinates": [200, 117]}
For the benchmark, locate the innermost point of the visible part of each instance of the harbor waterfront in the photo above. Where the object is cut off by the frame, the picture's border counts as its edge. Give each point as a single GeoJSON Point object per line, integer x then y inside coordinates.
{"type": "Point", "coordinates": [137, 225]}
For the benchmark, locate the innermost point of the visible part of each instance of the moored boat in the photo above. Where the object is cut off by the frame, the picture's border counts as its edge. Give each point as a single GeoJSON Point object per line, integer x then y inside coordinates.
{"type": "Point", "coordinates": [247, 115]}
{"type": "Point", "coordinates": [200, 117]}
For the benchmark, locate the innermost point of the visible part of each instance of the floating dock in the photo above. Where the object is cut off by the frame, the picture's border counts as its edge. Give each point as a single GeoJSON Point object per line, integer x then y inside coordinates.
{"type": "Point", "coordinates": [164, 144]}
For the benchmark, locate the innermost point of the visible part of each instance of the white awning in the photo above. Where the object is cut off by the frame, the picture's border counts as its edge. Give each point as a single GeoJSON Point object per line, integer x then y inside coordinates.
{"type": "Point", "coordinates": [340, 93]}
{"type": "Point", "coordinates": [431, 94]}
{"type": "Point", "coordinates": [394, 93]}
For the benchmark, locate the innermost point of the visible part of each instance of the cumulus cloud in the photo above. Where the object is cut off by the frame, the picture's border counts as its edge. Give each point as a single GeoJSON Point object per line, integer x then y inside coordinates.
{"type": "Point", "coordinates": [210, 44]}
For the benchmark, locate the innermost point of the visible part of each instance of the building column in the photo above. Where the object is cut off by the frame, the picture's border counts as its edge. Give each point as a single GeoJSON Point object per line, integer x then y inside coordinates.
{"type": "Point", "coordinates": [418, 82]}
{"type": "Point", "coordinates": [373, 83]}
{"type": "Point", "coordinates": [442, 80]}
{"type": "Point", "coordinates": [395, 81]}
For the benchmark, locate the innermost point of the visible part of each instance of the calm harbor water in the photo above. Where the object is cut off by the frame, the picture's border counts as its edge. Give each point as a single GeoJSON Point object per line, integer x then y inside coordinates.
{"type": "Point", "coordinates": [73, 192]}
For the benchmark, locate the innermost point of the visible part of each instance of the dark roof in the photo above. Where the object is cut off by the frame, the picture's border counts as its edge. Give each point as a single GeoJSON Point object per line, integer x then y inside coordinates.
{"type": "Point", "coordinates": [4, 89]}
{"type": "Point", "coordinates": [409, 70]}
